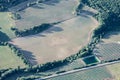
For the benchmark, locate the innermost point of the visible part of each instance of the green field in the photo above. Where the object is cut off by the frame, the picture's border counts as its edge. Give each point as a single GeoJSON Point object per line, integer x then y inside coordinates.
{"type": "Point", "coordinates": [100, 73]}
{"type": "Point", "coordinates": [8, 59]}
{"type": "Point", "coordinates": [47, 12]}
{"type": "Point", "coordinates": [6, 22]}
{"type": "Point", "coordinates": [59, 41]}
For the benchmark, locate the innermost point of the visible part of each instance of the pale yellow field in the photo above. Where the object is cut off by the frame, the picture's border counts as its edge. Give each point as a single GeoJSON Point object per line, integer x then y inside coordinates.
{"type": "Point", "coordinates": [60, 41]}
{"type": "Point", "coordinates": [114, 70]}
{"type": "Point", "coordinates": [48, 12]}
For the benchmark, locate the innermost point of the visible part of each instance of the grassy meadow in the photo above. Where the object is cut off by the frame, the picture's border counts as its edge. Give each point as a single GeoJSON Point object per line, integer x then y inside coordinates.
{"type": "Point", "coordinates": [6, 22]}
{"type": "Point", "coordinates": [8, 59]}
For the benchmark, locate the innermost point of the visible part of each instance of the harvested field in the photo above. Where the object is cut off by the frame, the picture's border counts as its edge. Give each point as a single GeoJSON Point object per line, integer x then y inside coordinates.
{"type": "Point", "coordinates": [59, 41]}
{"type": "Point", "coordinates": [112, 37]}
{"type": "Point", "coordinates": [47, 12]}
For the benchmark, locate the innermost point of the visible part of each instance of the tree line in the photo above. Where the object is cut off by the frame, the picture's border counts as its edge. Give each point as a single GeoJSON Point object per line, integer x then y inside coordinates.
{"type": "Point", "coordinates": [31, 31]}
{"type": "Point", "coordinates": [108, 16]}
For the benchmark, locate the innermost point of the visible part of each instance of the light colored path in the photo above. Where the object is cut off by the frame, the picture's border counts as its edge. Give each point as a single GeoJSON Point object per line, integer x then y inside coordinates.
{"type": "Point", "coordinates": [78, 70]}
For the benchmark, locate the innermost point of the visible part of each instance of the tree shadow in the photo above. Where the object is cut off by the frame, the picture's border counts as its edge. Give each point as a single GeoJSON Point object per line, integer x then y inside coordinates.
{"type": "Point", "coordinates": [47, 2]}
{"type": "Point", "coordinates": [27, 55]}
{"type": "Point", "coordinates": [51, 2]}
{"type": "Point", "coordinates": [30, 57]}
{"type": "Point", "coordinates": [37, 7]}
{"type": "Point", "coordinates": [51, 30]}
{"type": "Point", "coordinates": [86, 12]}
{"type": "Point", "coordinates": [83, 15]}
{"type": "Point", "coordinates": [108, 35]}
{"type": "Point", "coordinates": [4, 37]}
{"type": "Point", "coordinates": [54, 29]}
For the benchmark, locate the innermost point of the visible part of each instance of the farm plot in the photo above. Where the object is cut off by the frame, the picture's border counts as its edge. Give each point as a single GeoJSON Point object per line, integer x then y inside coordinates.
{"type": "Point", "coordinates": [60, 41]}
{"type": "Point", "coordinates": [6, 22]}
{"type": "Point", "coordinates": [47, 12]}
{"type": "Point", "coordinates": [114, 70]}
{"type": "Point", "coordinates": [8, 59]}
{"type": "Point", "coordinates": [100, 73]}
{"type": "Point", "coordinates": [109, 49]}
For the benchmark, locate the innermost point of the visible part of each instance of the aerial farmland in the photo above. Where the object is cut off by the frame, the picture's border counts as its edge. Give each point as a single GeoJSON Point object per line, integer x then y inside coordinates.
{"type": "Point", "coordinates": [59, 40]}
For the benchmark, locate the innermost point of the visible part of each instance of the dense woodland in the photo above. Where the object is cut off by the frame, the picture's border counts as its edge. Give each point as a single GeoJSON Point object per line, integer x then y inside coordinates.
{"type": "Point", "coordinates": [109, 14]}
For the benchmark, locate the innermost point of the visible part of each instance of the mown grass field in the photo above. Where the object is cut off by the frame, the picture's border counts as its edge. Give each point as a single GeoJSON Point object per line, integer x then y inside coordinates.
{"type": "Point", "coordinates": [6, 22]}
{"type": "Point", "coordinates": [47, 12]}
{"type": "Point", "coordinates": [100, 73]}
{"type": "Point", "coordinates": [109, 48]}
{"type": "Point", "coordinates": [8, 59]}
{"type": "Point", "coordinates": [114, 70]}
{"type": "Point", "coordinates": [59, 41]}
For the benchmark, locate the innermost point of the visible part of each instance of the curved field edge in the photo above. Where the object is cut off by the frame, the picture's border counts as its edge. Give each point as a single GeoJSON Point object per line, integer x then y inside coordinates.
{"type": "Point", "coordinates": [69, 59]}
{"type": "Point", "coordinates": [59, 40]}
{"type": "Point", "coordinates": [114, 70]}
{"type": "Point", "coordinates": [98, 36]}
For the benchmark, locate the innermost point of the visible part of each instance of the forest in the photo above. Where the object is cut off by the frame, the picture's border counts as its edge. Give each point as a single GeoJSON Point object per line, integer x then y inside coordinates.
{"type": "Point", "coordinates": [108, 16]}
